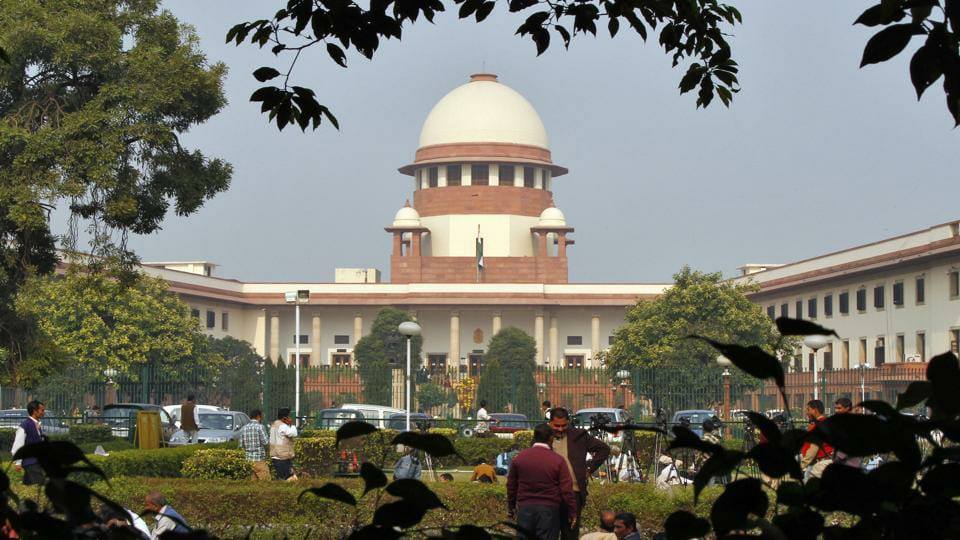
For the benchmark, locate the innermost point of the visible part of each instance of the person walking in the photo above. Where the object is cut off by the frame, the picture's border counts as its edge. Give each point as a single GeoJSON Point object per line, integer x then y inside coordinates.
{"type": "Point", "coordinates": [605, 532]}
{"type": "Point", "coordinates": [282, 433]}
{"type": "Point", "coordinates": [625, 526]}
{"type": "Point", "coordinates": [539, 484]}
{"type": "Point", "coordinates": [190, 418]}
{"type": "Point", "coordinates": [254, 441]}
{"type": "Point", "coordinates": [845, 406]}
{"type": "Point", "coordinates": [815, 456]}
{"type": "Point", "coordinates": [167, 518]}
{"type": "Point", "coordinates": [573, 445]}
{"type": "Point", "coordinates": [30, 432]}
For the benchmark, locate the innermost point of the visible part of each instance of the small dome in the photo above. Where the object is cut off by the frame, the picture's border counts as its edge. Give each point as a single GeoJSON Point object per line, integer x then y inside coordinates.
{"type": "Point", "coordinates": [552, 217]}
{"type": "Point", "coordinates": [483, 111]}
{"type": "Point", "coordinates": [406, 217]}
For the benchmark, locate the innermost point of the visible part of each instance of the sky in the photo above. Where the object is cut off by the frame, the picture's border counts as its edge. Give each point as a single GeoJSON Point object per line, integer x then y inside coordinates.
{"type": "Point", "coordinates": [814, 154]}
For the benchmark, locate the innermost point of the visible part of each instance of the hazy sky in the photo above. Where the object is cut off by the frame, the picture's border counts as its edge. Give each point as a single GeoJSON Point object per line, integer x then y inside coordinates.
{"type": "Point", "coordinates": [814, 154]}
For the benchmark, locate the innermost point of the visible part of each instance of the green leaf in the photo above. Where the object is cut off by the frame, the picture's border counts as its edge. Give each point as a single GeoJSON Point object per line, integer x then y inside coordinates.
{"type": "Point", "coordinates": [331, 491]}
{"type": "Point", "coordinates": [613, 26]}
{"type": "Point", "coordinates": [879, 14]}
{"type": "Point", "coordinates": [682, 525]}
{"type": "Point", "coordinates": [916, 393]}
{"type": "Point", "coordinates": [353, 429]}
{"type": "Point", "coordinates": [373, 477]}
{"type": "Point", "coordinates": [692, 78]}
{"type": "Point", "coordinates": [484, 10]}
{"type": "Point", "coordinates": [4, 56]}
{"type": "Point", "coordinates": [800, 327]}
{"type": "Point", "coordinates": [416, 492]}
{"type": "Point", "coordinates": [888, 43]}
{"type": "Point", "coordinates": [337, 54]}
{"type": "Point", "coordinates": [265, 74]}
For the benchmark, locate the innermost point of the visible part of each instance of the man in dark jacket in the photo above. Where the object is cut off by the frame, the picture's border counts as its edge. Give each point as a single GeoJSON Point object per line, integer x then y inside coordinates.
{"type": "Point", "coordinates": [30, 432]}
{"type": "Point", "coordinates": [539, 484]}
{"type": "Point", "coordinates": [573, 445]}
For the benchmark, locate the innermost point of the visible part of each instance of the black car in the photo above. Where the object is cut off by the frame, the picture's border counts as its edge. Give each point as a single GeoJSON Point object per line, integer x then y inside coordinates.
{"type": "Point", "coordinates": [399, 421]}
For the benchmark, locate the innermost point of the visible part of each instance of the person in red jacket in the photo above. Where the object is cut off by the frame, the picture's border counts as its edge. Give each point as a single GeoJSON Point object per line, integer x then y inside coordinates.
{"type": "Point", "coordinates": [814, 457]}
{"type": "Point", "coordinates": [538, 483]}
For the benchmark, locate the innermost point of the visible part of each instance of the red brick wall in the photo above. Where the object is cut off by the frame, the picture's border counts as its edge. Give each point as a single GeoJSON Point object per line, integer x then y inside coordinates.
{"type": "Point", "coordinates": [464, 270]}
{"type": "Point", "coordinates": [512, 200]}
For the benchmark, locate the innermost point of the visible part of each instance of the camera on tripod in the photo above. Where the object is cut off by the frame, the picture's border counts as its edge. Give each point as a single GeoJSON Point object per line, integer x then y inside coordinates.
{"type": "Point", "coordinates": [661, 418]}
{"type": "Point", "coordinates": [599, 421]}
{"type": "Point", "coordinates": [684, 421]}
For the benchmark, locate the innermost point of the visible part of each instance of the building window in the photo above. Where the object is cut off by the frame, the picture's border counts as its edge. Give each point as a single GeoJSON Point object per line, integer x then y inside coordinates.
{"type": "Point", "coordinates": [304, 339]}
{"type": "Point", "coordinates": [844, 300]}
{"type": "Point", "coordinates": [828, 305]}
{"type": "Point", "coordinates": [304, 360]}
{"type": "Point", "coordinates": [224, 321]}
{"type": "Point", "coordinates": [861, 300]}
{"type": "Point", "coordinates": [529, 173]}
{"type": "Point", "coordinates": [340, 360]}
{"type": "Point", "coordinates": [799, 309]}
{"type": "Point", "coordinates": [811, 361]}
{"type": "Point", "coordinates": [772, 312]}
{"type": "Point", "coordinates": [922, 346]}
{"type": "Point", "coordinates": [784, 310]}
{"type": "Point", "coordinates": [454, 173]}
{"type": "Point", "coordinates": [920, 291]}
{"type": "Point", "coordinates": [211, 319]}
{"type": "Point", "coordinates": [506, 175]}
{"type": "Point", "coordinates": [828, 357]}
{"type": "Point", "coordinates": [880, 352]}
{"type": "Point", "coordinates": [480, 175]}
{"type": "Point", "coordinates": [878, 294]}
{"type": "Point", "coordinates": [433, 176]}
{"type": "Point", "coordinates": [863, 351]}
{"type": "Point", "coordinates": [812, 308]}
{"type": "Point", "coordinates": [954, 284]}
{"type": "Point", "coordinates": [898, 294]}
{"type": "Point", "coordinates": [341, 340]}
{"type": "Point", "coordinates": [900, 352]}
{"type": "Point", "coordinates": [195, 313]}
{"type": "Point", "coordinates": [574, 340]}
{"type": "Point", "coordinates": [609, 340]}
{"type": "Point", "coordinates": [845, 353]}
{"type": "Point", "coordinates": [573, 361]}
{"type": "Point", "coordinates": [437, 363]}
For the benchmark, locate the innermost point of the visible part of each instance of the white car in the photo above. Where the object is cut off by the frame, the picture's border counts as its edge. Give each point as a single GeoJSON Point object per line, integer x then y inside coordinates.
{"type": "Point", "coordinates": [174, 411]}
{"type": "Point", "coordinates": [377, 415]}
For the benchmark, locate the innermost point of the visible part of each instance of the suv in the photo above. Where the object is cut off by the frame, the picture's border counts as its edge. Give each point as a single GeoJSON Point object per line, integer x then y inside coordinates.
{"type": "Point", "coordinates": [122, 416]}
{"type": "Point", "coordinates": [696, 418]}
{"type": "Point", "coordinates": [613, 417]}
{"type": "Point", "coordinates": [504, 425]}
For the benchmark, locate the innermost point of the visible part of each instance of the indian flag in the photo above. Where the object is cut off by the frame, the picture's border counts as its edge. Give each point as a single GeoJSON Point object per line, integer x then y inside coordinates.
{"type": "Point", "coordinates": [479, 252]}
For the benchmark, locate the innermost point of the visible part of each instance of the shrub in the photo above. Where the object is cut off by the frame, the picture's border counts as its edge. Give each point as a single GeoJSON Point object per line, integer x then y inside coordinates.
{"type": "Point", "coordinates": [162, 462]}
{"type": "Point", "coordinates": [316, 456]}
{"type": "Point", "coordinates": [90, 433]}
{"type": "Point", "coordinates": [473, 449]}
{"type": "Point", "coordinates": [317, 433]}
{"type": "Point", "coordinates": [6, 438]}
{"type": "Point", "coordinates": [449, 433]}
{"type": "Point", "coordinates": [216, 463]}
{"type": "Point", "coordinates": [523, 438]}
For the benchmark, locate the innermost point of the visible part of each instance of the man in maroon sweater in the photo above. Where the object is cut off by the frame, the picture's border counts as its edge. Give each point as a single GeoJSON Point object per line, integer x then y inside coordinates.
{"type": "Point", "coordinates": [538, 483]}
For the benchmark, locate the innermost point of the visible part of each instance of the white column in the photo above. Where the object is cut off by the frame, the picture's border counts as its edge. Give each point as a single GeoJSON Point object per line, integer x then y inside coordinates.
{"type": "Point", "coordinates": [495, 326]}
{"type": "Point", "coordinates": [538, 178]}
{"type": "Point", "coordinates": [454, 358]}
{"type": "Point", "coordinates": [594, 337]}
{"type": "Point", "coordinates": [538, 336]}
{"type": "Point", "coordinates": [357, 328]}
{"type": "Point", "coordinates": [442, 176]}
{"type": "Point", "coordinates": [260, 334]}
{"type": "Point", "coordinates": [315, 342]}
{"type": "Point", "coordinates": [274, 337]}
{"type": "Point", "coordinates": [518, 175]}
{"type": "Point", "coordinates": [554, 342]}
{"type": "Point", "coordinates": [466, 174]}
{"type": "Point", "coordinates": [494, 174]}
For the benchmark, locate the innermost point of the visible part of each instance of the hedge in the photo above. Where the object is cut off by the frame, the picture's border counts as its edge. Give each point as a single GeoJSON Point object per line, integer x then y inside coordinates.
{"type": "Point", "coordinates": [90, 433]}
{"type": "Point", "coordinates": [162, 462]}
{"type": "Point", "coordinates": [217, 463]}
{"type": "Point", "coordinates": [230, 508]}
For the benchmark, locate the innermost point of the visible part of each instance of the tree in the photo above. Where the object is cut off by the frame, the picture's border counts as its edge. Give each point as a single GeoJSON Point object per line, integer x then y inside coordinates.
{"type": "Point", "coordinates": [655, 338]}
{"type": "Point", "coordinates": [242, 371]}
{"type": "Point", "coordinates": [98, 322]}
{"type": "Point", "coordinates": [94, 96]}
{"type": "Point", "coordinates": [508, 373]}
{"type": "Point", "coordinates": [382, 350]}
{"type": "Point", "coordinates": [431, 395]}
{"type": "Point", "coordinates": [694, 30]}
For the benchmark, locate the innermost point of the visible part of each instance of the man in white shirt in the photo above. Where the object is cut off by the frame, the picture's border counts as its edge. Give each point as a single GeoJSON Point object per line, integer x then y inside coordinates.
{"type": "Point", "coordinates": [282, 433]}
{"type": "Point", "coordinates": [483, 418]}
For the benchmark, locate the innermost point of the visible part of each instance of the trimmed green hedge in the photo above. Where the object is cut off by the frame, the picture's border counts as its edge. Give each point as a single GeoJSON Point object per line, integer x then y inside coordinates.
{"type": "Point", "coordinates": [162, 462]}
{"type": "Point", "coordinates": [231, 507]}
{"type": "Point", "coordinates": [90, 433]}
{"type": "Point", "coordinates": [217, 463]}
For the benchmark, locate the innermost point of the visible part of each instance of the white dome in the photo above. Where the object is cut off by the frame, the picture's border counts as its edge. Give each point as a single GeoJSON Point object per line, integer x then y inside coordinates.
{"type": "Point", "coordinates": [406, 217]}
{"type": "Point", "coordinates": [483, 110]}
{"type": "Point", "coordinates": [552, 217]}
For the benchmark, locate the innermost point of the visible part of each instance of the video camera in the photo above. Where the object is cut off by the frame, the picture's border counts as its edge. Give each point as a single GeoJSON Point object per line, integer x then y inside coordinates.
{"type": "Point", "coordinates": [599, 421]}
{"type": "Point", "coordinates": [661, 418]}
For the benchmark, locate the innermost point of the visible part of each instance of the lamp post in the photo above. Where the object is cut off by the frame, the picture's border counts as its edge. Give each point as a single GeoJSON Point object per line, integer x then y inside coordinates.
{"type": "Point", "coordinates": [623, 375]}
{"type": "Point", "coordinates": [409, 329]}
{"type": "Point", "coordinates": [815, 342]}
{"type": "Point", "coordinates": [725, 363]}
{"type": "Point", "coordinates": [110, 373]}
{"type": "Point", "coordinates": [862, 368]}
{"type": "Point", "coordinates": [301, 296]}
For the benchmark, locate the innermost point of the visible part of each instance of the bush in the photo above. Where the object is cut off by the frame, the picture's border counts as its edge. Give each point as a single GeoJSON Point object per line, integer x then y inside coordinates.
{"type": "Point", "coordinates": [449, 433]}
{"type": "Point", "coordinates": [90, 433]}
{"type": "Point", "coordinates": [217, 463]}
{"type": "Point", "coordinates": [317, 433]}
{"type": "Point", "coordinates": [162, 462]}
{"type": "Point", "coordinates": [474, 449]}
{"type": "Point", "coordinates": [523, 438]}
{"type": "Point", "coordinates": [6, 438]}
{"type": "Point", "coordinates": [316, 456]}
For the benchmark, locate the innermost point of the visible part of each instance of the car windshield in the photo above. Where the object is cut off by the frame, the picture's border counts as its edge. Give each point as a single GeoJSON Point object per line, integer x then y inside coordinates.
{"type": "Point", "coordinates": [335, 419]}
{"type": "Point", "coordinates": [118, 415]}
{"type": "Point", "coordinates": [696, 417]}
{"type": "Point", "coordinates": [511, 420]}
{"type": "Point", "coordinates": [584, 418]}
{"type": "Point", "coordinates": [216, 421]}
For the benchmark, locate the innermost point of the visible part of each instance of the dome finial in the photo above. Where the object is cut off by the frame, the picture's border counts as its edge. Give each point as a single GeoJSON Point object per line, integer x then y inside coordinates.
{"type": "Point", "coordinates": [483, 77]}
{"type": "Point", "coordinates": [407, 204]}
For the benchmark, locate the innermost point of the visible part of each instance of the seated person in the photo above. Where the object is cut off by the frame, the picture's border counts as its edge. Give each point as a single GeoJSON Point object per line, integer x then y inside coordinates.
{"type": "Point", "coordinates": [482, 469]}
{"type": "Point", "coordinates": [502, 465]}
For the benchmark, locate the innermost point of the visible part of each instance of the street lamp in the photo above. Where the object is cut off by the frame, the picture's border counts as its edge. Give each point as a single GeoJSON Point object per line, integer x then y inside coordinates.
{"type": "Point", "coordinates": [815, 342]}
{"type": "Point", "coordinates": [623, 375]}
{"type": "Point", "coordinates": [862, 368]}
{"type": "Point", "coordinates": [725, 363]}
{"type": "Point", "coordinates": [301, 296]}
{"type": "Point", "coordinates": [409, 329]}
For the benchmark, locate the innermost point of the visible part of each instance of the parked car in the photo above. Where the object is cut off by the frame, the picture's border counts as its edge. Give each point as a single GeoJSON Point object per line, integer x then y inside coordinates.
{"type": "Point", "coordinates": [614, 417]}
{"type": "Point", "coordinates": [334, 418]}
{"type": "Point", "coordinates": [174, 411]}
{"type": "Point", "coordinates": [504, 425]}
{"type": "Point", "coordinates": [399, 421]}
{"type": "Point", "coordinates": [123, 416]}
{"type": "Point", "coordinates": [696, 418]}
{"type": "Point", "coordinates": [215, 427]}
{"type": "Point", "coordinates": [377, 415]}
{"type": "Point", "coordinates": [12, 418]}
